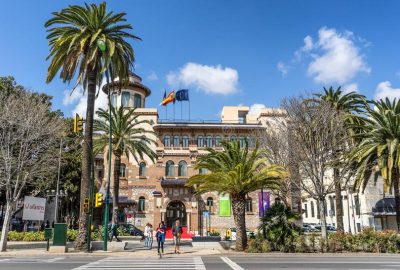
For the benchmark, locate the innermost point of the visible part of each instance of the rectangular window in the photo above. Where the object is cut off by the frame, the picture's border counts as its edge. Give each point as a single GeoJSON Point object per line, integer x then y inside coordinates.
{"type": "Point", "coordinates": [167, 142]}
{"type": "Point", "coordinates": [176, 141]}
{"type": "Point", "coordinates": [185, 142]}
{"type": "Point", "coordinates": [209, 141]}
{"type": "Point", "coordinates": [114, 100]}
{"type": "Point", "coordinates": [200, 141]}
{"type": "Point", "coordinates": [126, 96]}
{"type": "Point", "coordinates": [358, 227]}
{"type": "Point", "coordinates": [249, 205]}
{"type": "Point", "coordinates": [305, 210]}
{"type": "Point", "coordinates": [312, 210]}
{"type": "Point", "coordinates": [357, 205]}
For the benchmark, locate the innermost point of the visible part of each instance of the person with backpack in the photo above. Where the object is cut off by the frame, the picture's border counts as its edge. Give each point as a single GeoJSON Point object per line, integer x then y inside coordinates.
{"type": "Point", "coordinates": [160, 236]}
{"type": "Point", "coordinates": [177, 232]}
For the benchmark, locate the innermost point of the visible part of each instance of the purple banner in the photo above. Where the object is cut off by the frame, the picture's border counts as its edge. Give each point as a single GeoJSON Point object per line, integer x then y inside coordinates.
{"type": "Point", "coordinates": [263, 203]}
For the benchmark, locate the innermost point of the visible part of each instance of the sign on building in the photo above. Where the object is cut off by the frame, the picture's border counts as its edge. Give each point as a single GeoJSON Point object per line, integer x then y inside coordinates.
{"type": "Point", "coordinates": [263, 203]}
{"type": "Point", "coordinates": [34, 208]}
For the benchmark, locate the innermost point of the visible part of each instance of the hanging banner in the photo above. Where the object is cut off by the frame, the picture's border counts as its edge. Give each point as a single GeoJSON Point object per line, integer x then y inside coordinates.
{"type": "Point", "coordinates": [263, 203]}
{"type": "Point", "coordinates": [34, 208]}
{"type": "Point", "coordinates": [224, 206]}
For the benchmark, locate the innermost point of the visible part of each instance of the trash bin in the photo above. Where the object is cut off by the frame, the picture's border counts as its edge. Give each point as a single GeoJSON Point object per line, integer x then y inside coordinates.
{"type": "Point", "coordinates": [60, 234]}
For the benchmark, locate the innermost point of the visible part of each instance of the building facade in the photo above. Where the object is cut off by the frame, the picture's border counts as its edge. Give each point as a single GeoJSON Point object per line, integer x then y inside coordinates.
{"type": "Point", "coordinates": [151, 192]}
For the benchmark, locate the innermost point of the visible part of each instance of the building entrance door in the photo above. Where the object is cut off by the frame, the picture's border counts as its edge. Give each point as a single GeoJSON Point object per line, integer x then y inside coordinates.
{"type": "Point", "coordinates": [176, 211]}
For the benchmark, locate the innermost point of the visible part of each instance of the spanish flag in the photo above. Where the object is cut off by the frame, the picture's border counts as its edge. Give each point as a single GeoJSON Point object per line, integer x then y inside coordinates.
{"type": "Point", "coordinates": [168, 99]}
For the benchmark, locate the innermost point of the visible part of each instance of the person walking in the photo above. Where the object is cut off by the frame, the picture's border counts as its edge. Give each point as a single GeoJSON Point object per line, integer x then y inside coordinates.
{"type": "Point", "coordinates": [160, 235]}
{"type": "Point", "coordinates": [146, 235]}
{"type": "Point", "coordinates": [177, 233]}
{"type": "Point", "coordinates": [150, 243]}
{"type": "Point", "coordinates": [114, 232]}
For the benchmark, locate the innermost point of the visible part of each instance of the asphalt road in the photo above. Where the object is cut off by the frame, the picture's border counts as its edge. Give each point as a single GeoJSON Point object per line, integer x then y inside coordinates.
{"type": "Point", "coordinates": [172, 262]}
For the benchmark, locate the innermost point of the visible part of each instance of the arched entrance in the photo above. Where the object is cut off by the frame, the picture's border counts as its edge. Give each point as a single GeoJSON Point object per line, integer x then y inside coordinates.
{"type": "Point", "coordinates": [176, 211]}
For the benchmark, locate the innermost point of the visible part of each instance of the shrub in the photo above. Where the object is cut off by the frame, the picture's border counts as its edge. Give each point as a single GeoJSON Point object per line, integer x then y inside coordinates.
{"type": "Point", "coordinates": [301, 244]}
{"type": "Point", "coordinates": [33, 236]}
{"type": "Point", "coordinates": [72, 235]}
{"type": "Point", "coordinates": [15, 236]}
{"type": "Point", "coordinates": [258, 245]}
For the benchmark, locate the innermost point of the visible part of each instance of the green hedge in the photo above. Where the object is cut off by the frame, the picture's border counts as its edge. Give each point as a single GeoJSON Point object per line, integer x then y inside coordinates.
{"type": "Point", "coordinates": [366, 241]}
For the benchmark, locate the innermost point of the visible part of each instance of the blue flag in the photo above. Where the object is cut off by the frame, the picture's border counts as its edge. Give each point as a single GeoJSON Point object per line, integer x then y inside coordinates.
{"type": "Point", "coordinates": [182, 95]}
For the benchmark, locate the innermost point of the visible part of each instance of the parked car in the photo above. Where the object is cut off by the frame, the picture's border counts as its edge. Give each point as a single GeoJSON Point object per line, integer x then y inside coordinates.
{"type": "Point", "coordinates": [131, 229]}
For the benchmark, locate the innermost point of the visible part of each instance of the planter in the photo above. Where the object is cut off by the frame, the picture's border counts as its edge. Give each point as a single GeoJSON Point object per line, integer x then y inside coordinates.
{"type": "Point", "coordinates": [206, 238]}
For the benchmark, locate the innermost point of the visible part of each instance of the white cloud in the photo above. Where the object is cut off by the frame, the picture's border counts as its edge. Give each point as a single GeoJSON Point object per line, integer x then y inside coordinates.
{"type": "Point", "coordinates": [210, 79]}
{"type": "Point", "coordinates": [385, 90]}
{"type": "Point", "coordinates": [283, 68]}
{"type": "Point", "coordinates": [352, 87]}
{"type": "Point", "coordinates": [308, 44]}
{"type": "Point", "coordinates": [152, 76]}
{"type": "Point", "coordinates": [336, 58]}
{"type": "Point", "coordinates": [72, 97]}
{"type": "Point", "coordinates": [256, 108]}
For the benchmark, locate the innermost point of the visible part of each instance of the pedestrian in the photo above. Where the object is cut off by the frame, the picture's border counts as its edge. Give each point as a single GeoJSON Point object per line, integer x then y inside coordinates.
{"type": "Point", "coordinates": [160, 235]}
{"type": "Point", "coordinates": [146, 235]}
{"type": "Point", "coordinates": [47, 224]}
{"type": "Point", "coordinates": [114, 232]}
{"type": "Point", "coordinates": [164, 226]}
{"type": "Point", "coordinates": [177, 233]}
{"type": "Point", "coordinates": [150, 236]}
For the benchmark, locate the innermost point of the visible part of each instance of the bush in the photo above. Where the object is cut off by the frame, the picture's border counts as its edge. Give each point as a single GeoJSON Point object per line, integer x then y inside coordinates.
{"type": "Point", "coordinates": [25, 236]}
{"type": "Point", "coordinates": [15, 236]}
{"type": "Point", "coordinates": [72, 235]}
{"type": "Point", "coordinates": [258, 245]}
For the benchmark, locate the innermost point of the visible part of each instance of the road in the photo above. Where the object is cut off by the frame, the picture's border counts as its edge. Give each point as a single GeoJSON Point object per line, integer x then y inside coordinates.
{"type": "Point", "coordinates": [237, 262]}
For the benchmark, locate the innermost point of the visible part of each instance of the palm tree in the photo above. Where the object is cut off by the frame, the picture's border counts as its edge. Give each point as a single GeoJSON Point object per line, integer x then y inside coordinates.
{"type": "Point", "coordinates": [236, 171]}
{"type": "Point", "coordinates": [344, 104]}
{"type": "Point", "coordinates": [85, 41]}
{"type": "Point", "coordinates": [379, 149]}
{"type": "Point", "coordinates": [128, 138]}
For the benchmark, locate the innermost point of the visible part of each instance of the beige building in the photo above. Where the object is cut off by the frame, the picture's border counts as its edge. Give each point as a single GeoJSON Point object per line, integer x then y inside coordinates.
{"type": "Point", "coordinates": [155, 192]}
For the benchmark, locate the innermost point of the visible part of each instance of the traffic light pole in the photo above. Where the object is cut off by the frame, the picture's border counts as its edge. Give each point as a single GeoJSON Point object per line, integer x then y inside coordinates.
{"type": "Point", "coordinates": [107, 208]}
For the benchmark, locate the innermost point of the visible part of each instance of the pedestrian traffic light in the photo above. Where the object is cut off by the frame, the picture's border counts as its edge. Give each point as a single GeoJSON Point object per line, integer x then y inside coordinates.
{"type": "Point", "coordinates": [78, 123]}
{"type": "Point", "coordinates": [86, 205]}
{"type": "Point", "coordinates": [98, 200]}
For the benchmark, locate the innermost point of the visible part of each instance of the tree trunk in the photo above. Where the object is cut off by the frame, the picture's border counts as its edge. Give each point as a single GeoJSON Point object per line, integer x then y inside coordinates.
{"type": "Point", "coordinates": [338, 201]}
{"type": "Point", "coordinates": [324, 235]}
{"type": "Point", "coordinates": [86, 159]}
{"type": "Point", "coordinates": [239, 215]}
{"type": "Point", "coordinates": [6, 225]}
{"type": "Point", "coordinates": [117, 165]}
{"type": "Point", "coordinates": [395, 177]}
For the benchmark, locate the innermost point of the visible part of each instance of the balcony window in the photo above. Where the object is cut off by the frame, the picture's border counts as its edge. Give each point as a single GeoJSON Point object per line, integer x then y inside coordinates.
{"type": "Point", "coordinates": [137, 101]}
{"type": "Point", "coordinates": [169, 168]}
{"type": "Point", "coordinates": [185, 141]}
{"type": "Point", "coordinates": [218, 141]}
{"type": "Point", "coordinates": [167, 141]}
{"type": "Point", "coordinates": [126, 96]}
{"type": "Point", "coordinates": [200, 141]}
{"type": "Point", "coordinates": [176, 141]}
{"type": "Point", "coordinates": [182, 168]}
{"type": "Point", "coordinates": [242, 141]}
{"type": "Point", "coordinates": [233, 138]}
{"type": "Point", "coordinates": [209, 141]}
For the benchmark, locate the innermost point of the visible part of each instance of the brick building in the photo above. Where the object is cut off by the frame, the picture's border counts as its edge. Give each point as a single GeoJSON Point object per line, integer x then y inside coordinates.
{"type": "Point", "coordinates": [152, 192]}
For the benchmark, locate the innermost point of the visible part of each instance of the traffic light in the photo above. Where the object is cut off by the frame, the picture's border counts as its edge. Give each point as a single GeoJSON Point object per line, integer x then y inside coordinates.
{"type": "Point", "coordinates": [98, 200]}
{"type": "Point", "coordinates": [86, 205]}
{"type": "Point", "coordinates": [78, 123]}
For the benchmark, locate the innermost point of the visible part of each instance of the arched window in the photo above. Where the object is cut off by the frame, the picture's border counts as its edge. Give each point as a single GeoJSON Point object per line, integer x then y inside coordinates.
{"type": "Point", "coordinates": [182, 168]}
{"type": "Point", "coordinates": [125, 97]}
{"type": "Point", "coordinates": [209, 141]}
{"type": "Point", "coordinates": [142, 169]}
{"type": "Point", "coordinates": [242, 141]}
{"type": "Point", "coordinates": [185, 141]}
{"type": "Point", "coordinates": [114, 100]}
{"type": "Point", "coordinates": [210, 201]}
{"type": "Point", "coordinates": [233, 138]}
{"type": "Point", "coordinates": [218, 141]}
{"type": "Point", "coordinates": [312, 209]}
{"type": "Point", "coordinates": [142, 204]}
{"type": "Point", "coordinates": [169, 168]}
{"type": "Point", "coordinates": [249, 205]}
{"type": "Point", "coordinates": [137, 101]}
{"type": "Point", "coordinates": [122, 170]}
{"type": "Point", "coordinates": [167, 141]}
{"type": "Point", "coordinates": [203, 171]}
{"type": "Point", "coordinates": [176, 141]}
{"type": "Point", "coordinates": [200, 141]}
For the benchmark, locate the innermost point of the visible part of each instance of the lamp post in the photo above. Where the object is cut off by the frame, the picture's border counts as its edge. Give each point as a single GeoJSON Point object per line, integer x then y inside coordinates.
{"type": "Point", "coordinates": [58, 180]}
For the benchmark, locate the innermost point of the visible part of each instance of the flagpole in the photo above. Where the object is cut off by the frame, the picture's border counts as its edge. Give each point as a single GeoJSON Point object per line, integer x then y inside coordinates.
{"type": "Point", "coordinates": [166, 112]}
{"type": "Point", "coordinates": [181, 110]}
{"type": "Point", "coordinates": [174, 111]}
{"type": "Point", "coordinates": [189, 109]}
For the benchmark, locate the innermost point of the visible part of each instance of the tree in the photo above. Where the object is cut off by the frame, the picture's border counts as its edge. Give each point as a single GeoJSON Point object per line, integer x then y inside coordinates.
{"type": "Point", "coordinates": [29, 137]}
{"type": "Point", "coordinates": [87, 41]}
{"type": "Point", "coordinates": [128, 138]}
{"type": "Point", "coordinates": [344, 104]}
{"type": "Point", "coordinates": [314, 129]}
{"type": "Point", "coordinates": [379, 149]}
{"type": "Point", "coordinates": [280, 225]}
{"type": "Point", "coordinates": [237, 171]}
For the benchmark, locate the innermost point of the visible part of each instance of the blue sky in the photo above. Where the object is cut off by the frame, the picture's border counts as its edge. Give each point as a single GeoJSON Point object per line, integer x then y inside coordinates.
{"type": "Point", "coordinates": [227, 52]}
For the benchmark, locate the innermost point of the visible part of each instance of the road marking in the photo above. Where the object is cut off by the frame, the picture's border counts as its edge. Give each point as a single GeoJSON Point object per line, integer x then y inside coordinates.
{"type": "Point", "coordinates": [55, 259]}
{"type": "Point", "coordinates": [232, 264]}
{"type": "Point", "coordinates": [115, 263]}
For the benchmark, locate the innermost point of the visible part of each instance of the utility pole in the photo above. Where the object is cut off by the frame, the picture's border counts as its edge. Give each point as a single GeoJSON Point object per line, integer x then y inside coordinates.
{"type": "Point", "coordinates": [58, 183]}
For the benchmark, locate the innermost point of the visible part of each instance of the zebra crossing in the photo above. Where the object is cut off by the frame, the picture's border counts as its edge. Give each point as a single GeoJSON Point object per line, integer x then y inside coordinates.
{"type": "Point", "coordinates": [123, 263]}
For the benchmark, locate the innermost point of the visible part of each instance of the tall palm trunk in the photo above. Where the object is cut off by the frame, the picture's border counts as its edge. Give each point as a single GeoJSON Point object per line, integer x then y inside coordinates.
{"type": "Point", "coordinates": [338, 201]}
{"type": "Point", "coordinates": [395, 176]}
{"type": "Point", "coordinates": [87, 158]}
{"type": "Point", "coordinates": [239, 215]}
{"type": "Point", "coordinates": [117, 165]}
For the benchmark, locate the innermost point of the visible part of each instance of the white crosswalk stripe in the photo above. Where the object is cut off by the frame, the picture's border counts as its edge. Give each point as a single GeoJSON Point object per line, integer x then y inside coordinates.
{"type": "Point", "coordinates": [123, 263]}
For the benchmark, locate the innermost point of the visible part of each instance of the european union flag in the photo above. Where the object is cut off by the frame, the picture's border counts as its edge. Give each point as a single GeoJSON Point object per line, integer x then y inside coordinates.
{"type": "Point", "coordinates": [182, 95]}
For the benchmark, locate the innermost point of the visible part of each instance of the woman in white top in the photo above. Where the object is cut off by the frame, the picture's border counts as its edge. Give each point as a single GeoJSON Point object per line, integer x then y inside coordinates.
{"type": "Point", "coordinates": [150, 236]}
{"type": "Point", "coordinates": [146, 234]}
